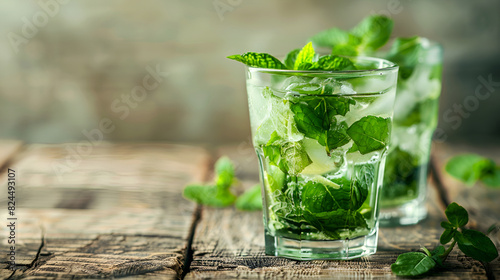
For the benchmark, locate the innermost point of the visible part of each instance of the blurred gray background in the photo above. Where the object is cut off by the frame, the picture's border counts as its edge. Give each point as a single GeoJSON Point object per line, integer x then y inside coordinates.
{"type": "Point", "coordinates": [69, 67]}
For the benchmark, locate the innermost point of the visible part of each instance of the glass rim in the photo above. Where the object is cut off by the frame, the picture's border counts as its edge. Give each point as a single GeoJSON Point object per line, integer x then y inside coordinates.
{"type": "Point", "coordinates": [391, 66]}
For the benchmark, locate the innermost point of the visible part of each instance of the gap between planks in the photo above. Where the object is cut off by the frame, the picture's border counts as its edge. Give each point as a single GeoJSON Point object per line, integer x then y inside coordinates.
{"type": "Point", "coordinates": [207, 169]}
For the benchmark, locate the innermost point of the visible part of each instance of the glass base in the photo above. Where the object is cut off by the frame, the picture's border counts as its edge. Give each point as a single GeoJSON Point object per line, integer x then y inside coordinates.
{"type": "Point", "coordinates": [322, 249]}
{"type": "Point", "coordinates": [407, 214]}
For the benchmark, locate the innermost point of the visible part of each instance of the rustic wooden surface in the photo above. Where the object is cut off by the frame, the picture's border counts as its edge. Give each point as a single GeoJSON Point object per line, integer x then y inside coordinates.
{"type": "Point", "coordinates": [118, 212]}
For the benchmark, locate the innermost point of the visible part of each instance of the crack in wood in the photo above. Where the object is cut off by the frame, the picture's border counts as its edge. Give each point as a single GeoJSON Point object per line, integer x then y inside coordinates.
{"type": "Point", "coordinates": [188, 257]}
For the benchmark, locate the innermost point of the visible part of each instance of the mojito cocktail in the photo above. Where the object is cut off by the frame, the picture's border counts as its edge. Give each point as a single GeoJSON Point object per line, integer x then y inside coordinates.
{"type": "Point", "coordinates": [415, 119]}
{"type": "Point", "coordinates": [321, 138]}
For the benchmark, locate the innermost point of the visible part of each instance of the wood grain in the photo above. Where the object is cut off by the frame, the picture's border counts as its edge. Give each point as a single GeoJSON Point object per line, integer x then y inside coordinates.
{"type": "Point", "coordinates": [118, 211]}
{"type": "Point", "coordinates": [230, 244]}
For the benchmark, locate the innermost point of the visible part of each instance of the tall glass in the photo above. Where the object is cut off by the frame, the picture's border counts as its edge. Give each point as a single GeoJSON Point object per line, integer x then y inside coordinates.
{"type": "Point", "coordinates": [321, 138]}
{"type": "Point", "coordinates": [404, 191]}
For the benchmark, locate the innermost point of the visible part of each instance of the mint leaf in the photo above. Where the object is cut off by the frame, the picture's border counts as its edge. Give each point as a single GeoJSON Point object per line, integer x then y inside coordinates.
{"type": "Point", "coordinates": [437, 253]}
{"type": "Point", "coordinates": [476, 245]}
{"type": "Point", "coordinates": [370, 133]}
{"type": "Point", "coordinates": [374, 32]}
{"type": "Point", "coordinates": [446, 236]}
{"type": "Point", "coordinates": [261, 60]}
{"type": "Point", "coordinates": [446, 225]}
{"type": "Point", "coordinates": [224, 173]}
{"type": "Point", "coordinates": [469, 168]}
{"type": "Point", "coordinates": [315, 117]}
{"type": "Point", "coordinates": [305, 58]}
{"type": "Point", "coordinates": [363, 180]}
{"type": "Point", "coordinates": [457, 215]}
{"type": "Point", "coordinates": [217, 195]}
{"type": "Point", "coordinates": [290, 59]}
{"type": "Point", "coordinates": [491, 177]}
{"type": "Point", "coordinates": [405, 53]}
{"type": "Point", "coordinates": [412, 264]}
{"type": "Point", "coordinates": [317, 197]}
{"type": "Point", "coordinates": [349, 48]}
{"type": "Point", "coordinates": [337, 135]}
{"type": "Point", "coordinates": [330, 38]}
{"type": "Point", "coordinates": [370, 34]}
{"type": "Point", "coordinates": [295, 157]}
{"type": "Point", "coordinates": [333, 63]}
{"type": "Point", "coordinates": [250, 200]}
{"type": "Point", "coordinates": [209, 195]}
{"type": "Point", "coordinates": [331, 222]}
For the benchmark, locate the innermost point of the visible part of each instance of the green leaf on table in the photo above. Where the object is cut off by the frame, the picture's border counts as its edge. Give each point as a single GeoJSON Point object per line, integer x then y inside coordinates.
{"type": "Point", "coordinates": [469, 168]}
{"type": "Point", "coordinates": [333, 63]}
{"type": "Point", "coordinates": [446, 225]}
{"type": "Point", "coordinates": [374, 31]}
{"type": "Point", "coordinates": [209, 195]}
{"type": "Point", "coordinates": [250, 200]}
{"type": "Point", "coordinates": [405, 53]}
{"type": "Point", "coordinates": [370, 133]}
{"type": "Point", "coordinates": [457, 215]}
{"type": "Point", "coordinates": [217, 195]}
{"type": "Point", "coordinates": [290, 59]}
{"type": "Point", "coordinates": [447, 235]}
{"type": "Point", "coordinates": [305, 57]}
{"type": "Point", "coordinates": [224, 172]}
{"type": "Point", "coordinates": [476, 245]}
{"type": "Point", "coordinates": [437, 253]}
{"type": "Point", "coordinates": [491, 177]}
{"type": "Point", "coordinates": [412, 264]}
{"type": "Point", "coordinates": [261, 60]}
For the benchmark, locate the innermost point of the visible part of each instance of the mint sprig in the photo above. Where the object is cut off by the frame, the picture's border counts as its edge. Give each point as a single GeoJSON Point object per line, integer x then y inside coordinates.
{"type": "Point", "coordinates": [219, 194]}
{"type": "Point", "coordinates": [369, 35]}
{"type": "Point", "coordinates": [261, 60]}
{"type": "Point", "coordinates": [470, 168]}
{"type": "Point", "coordinates": [472, 243]}
{"type": "Point", "coordinates": [298, 59]}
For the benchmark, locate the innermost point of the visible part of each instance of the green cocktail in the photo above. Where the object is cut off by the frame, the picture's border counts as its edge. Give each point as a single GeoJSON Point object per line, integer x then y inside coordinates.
{"type": "Point", "coordinates": [321, 138]}
{"type": "Point", "coordinates": [415, 119]}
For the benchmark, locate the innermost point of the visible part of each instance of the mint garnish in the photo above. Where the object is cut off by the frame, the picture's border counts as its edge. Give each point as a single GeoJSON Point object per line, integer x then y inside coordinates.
{"type": "Point", "coordinates": [298, 59]}
{"type": "Point", "coordinates": [472, 243]}
{"type": "Point", "coordinates": [261, 60]}
{"type": "Point", "coordinates": [369, 35]}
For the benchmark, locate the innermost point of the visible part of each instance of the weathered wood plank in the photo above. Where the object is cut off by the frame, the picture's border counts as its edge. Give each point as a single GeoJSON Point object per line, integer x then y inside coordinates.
{"type": "Point", "coordinates": [481, 202]}
{"type": "Point", "coordinates": [230, 244]}
{"type": "Point", "coordinates": [118, 212]}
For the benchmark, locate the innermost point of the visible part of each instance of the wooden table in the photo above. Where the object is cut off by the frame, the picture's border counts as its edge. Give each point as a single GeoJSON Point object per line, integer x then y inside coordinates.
{"type": "Point", "coordinates": [116, 210]}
